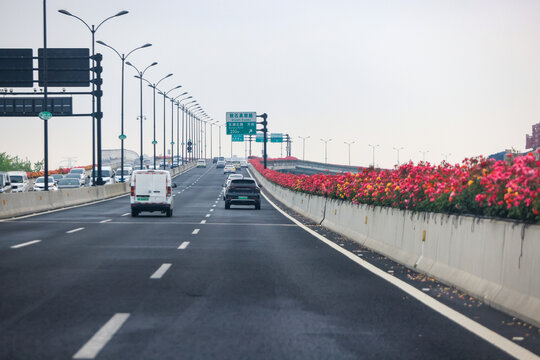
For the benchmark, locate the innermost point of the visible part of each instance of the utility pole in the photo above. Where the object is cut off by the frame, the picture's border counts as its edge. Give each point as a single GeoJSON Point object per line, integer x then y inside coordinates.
{"type": "Point", "coordinates": [304, 146]}
{"type": "Point", "coordinates": [349, 146]}
{"type": "Point", "coordinates": [325, 149]}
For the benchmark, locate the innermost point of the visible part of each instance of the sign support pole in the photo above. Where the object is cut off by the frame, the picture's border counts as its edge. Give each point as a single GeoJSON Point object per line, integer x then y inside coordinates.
{"type": "Point", "coordinates": [45, 121]}
{"type": "Point", "coordinates": [264, 123]}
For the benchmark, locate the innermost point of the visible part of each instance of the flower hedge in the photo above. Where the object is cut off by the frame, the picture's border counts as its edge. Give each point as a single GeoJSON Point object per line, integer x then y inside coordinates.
{"type": "Point", "coordinates": [477, 186]}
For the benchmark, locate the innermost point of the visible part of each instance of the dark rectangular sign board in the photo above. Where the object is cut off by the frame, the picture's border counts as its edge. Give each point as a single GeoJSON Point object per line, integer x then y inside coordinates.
{"type": "Point", "coordinates": [32, 106]}
{"type": "Point", "coordinates": [16, 68]}
{"type": "Point", "coordinates": [65, 67]}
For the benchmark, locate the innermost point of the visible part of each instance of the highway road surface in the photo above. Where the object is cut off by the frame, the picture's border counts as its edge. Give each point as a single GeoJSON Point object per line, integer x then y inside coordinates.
{"type": "Point", "coordinates": [208, 283]}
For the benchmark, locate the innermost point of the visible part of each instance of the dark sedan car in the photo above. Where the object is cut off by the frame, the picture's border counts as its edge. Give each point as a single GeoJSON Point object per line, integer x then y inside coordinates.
{"type": "Point", "coordinates": [69, 183]}
{"type": "Point", "coordinates": [243, 192]}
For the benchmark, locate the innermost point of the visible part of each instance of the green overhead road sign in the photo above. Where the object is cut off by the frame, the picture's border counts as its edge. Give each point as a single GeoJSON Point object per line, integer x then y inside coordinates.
{"type": "Point", "coordinates": [45, 115]}
{"type": "Point", "coordinates": [122, 137]}
{"type": "Point", "coordinates": [237, 137]}
{"type": "Point", "coordinates": [260, 138]}
{"type": "Point", "coordinates": [241, 123]}
{"type": "Point", "coordinates": [276, 138]}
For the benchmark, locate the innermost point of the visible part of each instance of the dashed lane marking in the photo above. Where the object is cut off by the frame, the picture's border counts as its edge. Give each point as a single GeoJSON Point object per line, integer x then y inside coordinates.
{"type": "Point", "coordinates": [102, 337]}
{"type": "Point", "coordinates": [105, 221]}
{"type": "Point", "coordinates": [203, 221]}
{"type": "Point", "coordinates": [158, 274]}
{"type": "Point", "coordinates": [196, 231]}
{"type": "Point", "coordinates": [183, 245]}
{"type": "Point", "coordinates": [126, 214]}
{"type": "Point", "coordinates": [74, 230]}
{"type": "Point", "coordinates": [25, 244]}
{"type": "Point", "coordinates": [207, 215]}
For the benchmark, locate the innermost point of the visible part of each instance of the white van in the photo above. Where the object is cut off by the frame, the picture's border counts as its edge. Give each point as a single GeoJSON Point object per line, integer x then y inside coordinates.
{"type": "Point", "coordinates": [151, 190]}
{"type": "Point", "coordinates": [107, 175]}
{"type": "Point", "coordinates": [19, 181]}
{"type": "Point", "coordinates": [4, 182]}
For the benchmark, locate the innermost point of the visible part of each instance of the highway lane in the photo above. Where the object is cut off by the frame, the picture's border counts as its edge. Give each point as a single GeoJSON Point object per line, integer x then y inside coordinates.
{"type": "Point", "coordinates": [233, 283]}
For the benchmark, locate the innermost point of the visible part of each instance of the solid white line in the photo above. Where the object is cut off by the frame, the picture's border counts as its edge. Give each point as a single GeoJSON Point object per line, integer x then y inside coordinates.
{"type": "Point", "coordinates": [25, 244]}
{"type": "Point", "coordinates": [203, 221]}
{"type": "Point", "coordinates": [74, 230]}
{"type": "Point", "coordinates": [160, 271]}
{"type": "Point", "coordinates": [196, 231]}
{"type": "Point", "coordinates": [183, 245]}
{"type": "Point", "coordinates": [105, 221]}
{"type": "Point", "coordinates": [488, 335]}
{"type": "Point", "coordinates": [126, 214]}
{"type": "Point", "coordinates": [207, 215]}
{"type": "Point", "coordinates": [102, 337]}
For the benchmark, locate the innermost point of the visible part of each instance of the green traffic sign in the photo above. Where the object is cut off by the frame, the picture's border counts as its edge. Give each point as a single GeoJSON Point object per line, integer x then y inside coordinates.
{"type": "Point", "coordinates": [241, 128]}
{"type": "Point", "coordinates": [237, 137]}
{"type": "Point", "coordinates": [122, 137]}
{"type": "Point", "coordinates": [45, 115]}
{"type": "Point", "coordinates": [154, 142]}
{"type": "Point", "coordinates": [260, 138]}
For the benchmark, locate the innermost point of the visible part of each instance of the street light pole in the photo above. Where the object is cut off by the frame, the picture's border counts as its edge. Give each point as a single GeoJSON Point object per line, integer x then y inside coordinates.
{"type": "Point", "coordinates": [183, 124]}
{"type": "Point", "coordinates": [140, 77]}
{"type": "Point", "coordinates": [397, 150]}
{"type": "Point", "coordinates": [93, 30]}
{"type": "Point", "coordinates": [423, 154]}
{"type": "Point", "coordinates": [373, 147]}
{"type": "Point", "coordinates": [165, 124]}
{"type": "Point", "coordinates": [349, 145]}
{"type": "Point", "coordinates": [304, 146]}
{"type": "Point", "coordinates": [325, 149]}
{"type": "Point", "coordinates": [122, 135]}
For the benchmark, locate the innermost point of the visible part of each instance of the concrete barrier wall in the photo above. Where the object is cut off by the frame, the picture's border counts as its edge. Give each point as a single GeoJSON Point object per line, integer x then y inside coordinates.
{"type": "Point", "coordinates": [495, 260]}
{"type": "Point", "coordinates": [17, 204]}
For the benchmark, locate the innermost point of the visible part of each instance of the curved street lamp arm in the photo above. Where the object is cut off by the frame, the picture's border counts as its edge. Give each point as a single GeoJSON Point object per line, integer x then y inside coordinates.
{"type": "Point", "coordinates": [110, 47]}
{"type": "Point", "coordinates": [169, 75]}
{"type": "Point", "coordinates": [133, 66]}
{"type": "Point", "coordinates": [123, 12]}
{"type": "Point", "coordinates": [137, 48]}
{"type": "Point", "coordinates": [65, 12]}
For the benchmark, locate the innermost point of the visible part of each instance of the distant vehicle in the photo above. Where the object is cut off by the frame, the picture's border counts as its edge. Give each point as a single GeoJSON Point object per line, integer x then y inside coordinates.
{"type": "Point", "coordinates": [39, 185]}
{"type": "Point", "coordinates": [220, 164]}
{"type": "Point", "coordinates": [243, 192]}
{"type": "Point", "coordinates": [5, 185]}
{"type": "Point", "coordinates": [56, 177]}
{"type": "Point", "coordinates": [106, 174]}
{"type": "Point", "coordinates": [19, 181]}
{"type": "Point", "coordinates": [237, 165]}
{"type": "Point", "coordinates": [201, 163]}
{"type": "Point", "coordinates": [215, 160]}
{"type": "Point", "coordinates": [232, 177]}
{"type": "Point", "coordinates": [151, 190]}
{"type": "Point", "coordinates": [68, 183]}
{"type": "Point", "coordinates": [76, 177]}
{"type": "Point", "coordinates": [243, 163]}
{"type": "Point", "coordinates": [229, 169]}
{"type": "Point", "coordinates": [221, 158]}
{"type": "Point", "coordinates": [127, 174]}
{"type": "Point", "coordinates": [81, 172]}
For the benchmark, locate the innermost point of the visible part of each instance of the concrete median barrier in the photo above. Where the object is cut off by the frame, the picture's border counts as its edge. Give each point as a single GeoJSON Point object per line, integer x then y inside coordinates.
{"type": "Point", "coordinates": [18, 204]}
{"type": "Point", "coordinates": [494, 260]}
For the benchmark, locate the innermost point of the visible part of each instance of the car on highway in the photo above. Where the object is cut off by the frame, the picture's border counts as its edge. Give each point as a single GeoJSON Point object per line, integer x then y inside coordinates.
{"type": "Point", "coordinates": [81, 172]}
{"type": "Point", "coordinates": [220, 164]}
{"type": "Point", "coordinates": [201, 163]}
{"type": "Point", "coordinates": [107, 175]}
{"type": "Point", "coordinates": [243, 192]}
{"type": "Point", "coordinates": [68, 183]}
{"type": "Point", "coordinates": [215, 160]}
{"type": "Point", "coordinates": [126, 172]}
{"type": "Point", "coordinates": [5, 185]}
{"type": "Point", "coordinates": [19, 181]}
{"type": "Point", "coordinates": [151, 190]}
{"type": "Point", "coordinates": [237, 165]}
{"type": "Point", "coordinates": [243, 163]}
{"type": "Point", "coordinates": [229, 169]}
{"type": "Point", "coordinates": [76, 177]}
{"type": "Point", "coordinates": [39, 185]}
{"type": "Point", "coordinates": [56, 177]}
{"type": "Point", "coordinates": [232, 177]}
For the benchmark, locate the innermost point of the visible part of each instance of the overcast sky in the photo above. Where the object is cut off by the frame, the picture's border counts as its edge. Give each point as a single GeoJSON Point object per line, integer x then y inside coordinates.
{"type": "Point", "coordinates": [459, 77]}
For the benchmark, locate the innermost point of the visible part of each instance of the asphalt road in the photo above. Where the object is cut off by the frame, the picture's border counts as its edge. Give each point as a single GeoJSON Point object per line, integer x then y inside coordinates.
{"type": "Point", "coordinates": [227, 284]}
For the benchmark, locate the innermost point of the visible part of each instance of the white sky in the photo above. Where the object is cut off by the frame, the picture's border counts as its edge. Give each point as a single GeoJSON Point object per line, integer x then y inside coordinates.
{"type": "Point", "coordinates": [459, 77]}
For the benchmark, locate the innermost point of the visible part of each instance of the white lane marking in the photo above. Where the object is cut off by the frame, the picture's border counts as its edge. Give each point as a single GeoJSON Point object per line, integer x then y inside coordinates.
{"type": "Point", "coordinates": [102, 337]}
{"type": "Point", "coordinates": [488, 335]}
{"type": "Point", "coordinates": [174, 195]}
{"type": "Point", "coordinates": [211, 209]}
{"type": "Point", "coordinates": [105, 221]}
{"type": "Point", "coordinates": [25, 244]}
{"type": "Point", "coordinates": [196, 231]}
{"type": "Point", "coordinates": [74, 230]}
{"type": "Point", "coordinates": [517, 338]}
{"type": "Point", "coordinates": [214, 204]}
{"type": "Point", "coordinates": [183, 245]}
{"type": "Point", "coordinates": [126, 214]}
{"type": "Point", "coordinates": [158, 274]}
{"type": "Point", "coordinates": [203, 221]}
{"type": "Point", "coordinates": [207, 215]}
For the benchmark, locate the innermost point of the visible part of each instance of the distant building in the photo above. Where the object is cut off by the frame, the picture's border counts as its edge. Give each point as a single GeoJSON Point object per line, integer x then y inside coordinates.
{"type": "Point", "coordinates": [533, 141]}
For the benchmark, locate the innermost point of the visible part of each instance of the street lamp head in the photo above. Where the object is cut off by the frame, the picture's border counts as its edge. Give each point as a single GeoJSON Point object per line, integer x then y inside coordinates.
{"type": "Point", "coordinates": [123, 12]}
{"type": "Point", "coordinates": [182, 94]}
{"type": "Point", "coordinates": [146, 45]}
{"type": "Point", "coordinates": [65, 12]}
{"type": "Point", "coordinates": [168, 75]}
{"type": "Point", "coordinates": [128, 63]}
{"type": "Point", "coordinates": [101, 43]}
{"type": "Point", "coordinates": [153, 64]}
